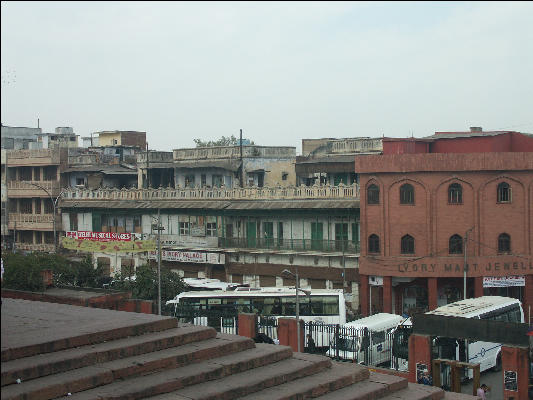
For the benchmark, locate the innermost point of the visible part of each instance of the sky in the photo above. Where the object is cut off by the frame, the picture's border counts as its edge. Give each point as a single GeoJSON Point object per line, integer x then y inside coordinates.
{"type": "Point", "coordinates": [280, 71]}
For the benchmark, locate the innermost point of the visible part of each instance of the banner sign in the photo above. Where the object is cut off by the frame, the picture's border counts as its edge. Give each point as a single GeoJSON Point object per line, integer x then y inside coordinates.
{"type": "Point", "coordinates": [100, 236]}
{"type": "Point", "coordinates": [188, 256]}
{"type": "Point", "coordinates": [503, 281]}
{"type": "Point", "coordinates": [110, 246]}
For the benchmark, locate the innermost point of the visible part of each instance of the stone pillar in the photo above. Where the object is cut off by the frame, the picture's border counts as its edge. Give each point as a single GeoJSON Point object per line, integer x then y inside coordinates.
{"type": "Point", "coordinates": [514, 361]}
{"type": "Point", "coordinates": [478, 286]}
{"type": "Point", "coordinates": [419, 354]}
{"type": "Point", "coordinates": [432, 293]}
{"type": "Point", "coordinates": [246, 324]}
{"type": "Point", "coordinates": [363, 294]}
{"type": "Point", "coordinates": [287, 333]}
{"type": "Point", "coordinates": [527, 301]}
{"type": "Point", "coordinates": [387, 294]}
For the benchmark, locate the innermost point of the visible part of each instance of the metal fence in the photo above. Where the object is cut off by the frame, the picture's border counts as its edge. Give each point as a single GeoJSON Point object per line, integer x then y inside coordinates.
{"type": "Point", "coordinates": [335, 341]}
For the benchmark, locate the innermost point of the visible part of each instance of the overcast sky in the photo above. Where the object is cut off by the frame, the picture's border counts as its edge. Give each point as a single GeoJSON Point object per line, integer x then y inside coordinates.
{"type": "Point", "coordinates": [279, 71]}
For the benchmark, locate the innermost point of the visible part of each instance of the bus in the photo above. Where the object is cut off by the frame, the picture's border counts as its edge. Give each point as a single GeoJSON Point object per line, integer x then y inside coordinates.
{"type": "Point", "coordinates": [219, 308]}
{"type": "Point", "coordinates": [210, 284]}
{"type": "Point", "coordinates": [366, 340]}
{"type": "Point", "coordinates": [487, 354]}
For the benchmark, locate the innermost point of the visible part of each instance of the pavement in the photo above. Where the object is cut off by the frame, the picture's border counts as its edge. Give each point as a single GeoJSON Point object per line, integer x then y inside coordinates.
{"type": "Point", "coordinates": [492, 379]}
{"type": "Point", "coordinates": [27, 323]}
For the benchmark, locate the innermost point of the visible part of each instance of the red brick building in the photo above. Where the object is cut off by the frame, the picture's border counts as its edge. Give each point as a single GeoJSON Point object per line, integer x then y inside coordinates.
{"type": "Point", "coordinates": [425, 201]}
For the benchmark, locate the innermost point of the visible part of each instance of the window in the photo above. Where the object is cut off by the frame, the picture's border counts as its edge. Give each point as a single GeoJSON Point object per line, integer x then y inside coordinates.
{"type": "Point", "coordinates": [355, 233]}
{"type": "Point", "coordinates": [80, 182]}
{"type": "Point", "coordinates": [73, 221]}
{"type": "Point", "coordinates": [268, 233]}
{"type": "Point", "coordinates": [184, 228]}
{"type": "Point", "coordinates": [229, 230]}
{"type": "Point", "coordinates": [341, 236]}
{"type": "Point", "coordinates": [217, 180]}
{"type": "Point", "coordinates": [504, 193]}
{"type": "Point", "coordinates": [504, 243]}
{"type": "Point", "coordinates": [407, 194]}
{"type": "Point", "coordinates": [455, 245]}
{"type": "Point", "coordinates": [455, 194]}
{"type": "Point", "coordinates": [203, 178]}
{"type": "Point", "coordinates": [372, 194]}
{"type": "Point", "coordinates": [189, 180]}
{"type": "Point", "coordinates": [280, 234]}
{"type": "Point", "coordinates": [408, 244]}
{"type": "Point", "coordinates": [211, 228]}
{"type": "Point", "coordinates": [373, 244]}
{"type": "Point", "coordinates": [284, 176]}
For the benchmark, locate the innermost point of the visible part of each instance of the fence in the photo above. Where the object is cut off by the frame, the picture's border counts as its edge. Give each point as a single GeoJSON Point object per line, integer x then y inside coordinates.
{"type": "Point", "coordinates": [335, 341]}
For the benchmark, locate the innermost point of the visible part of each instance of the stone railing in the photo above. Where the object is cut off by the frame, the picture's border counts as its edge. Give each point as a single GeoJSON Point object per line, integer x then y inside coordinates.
{"type": "Point", "coordinates": [248, 193]}
{"type": "Point", "coordinates": [357, 145]}
{"type": "Point", "coordinates": [35, 247]}
{"type": "Point", "coordinates": [31, 218]}
{"type": "Point", "coordinates": [155, 156]}
{"type": "Point", "coordinates": [202, 153]}
{"type": "Point", "coordinates": [30, 185]}
{"type": "Point", "coordinates": [36, 156]}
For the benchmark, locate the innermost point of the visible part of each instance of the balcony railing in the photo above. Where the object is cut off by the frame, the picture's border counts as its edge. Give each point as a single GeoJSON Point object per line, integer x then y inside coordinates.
{"type": "Point", "coordinates": [33, 157]}
{"type": "Point", "coordinates": [35, 247]}
{"type": "Point", "coordinates": [27, 188]}
{"type": "Point", "coordinates": [33, 221]}
{"type": "Point", "coordinates": [325, 246]}
{"type": "Point", "coordinates": [234, 152]}
{"type": "Point", "coordinates": [248, 193]}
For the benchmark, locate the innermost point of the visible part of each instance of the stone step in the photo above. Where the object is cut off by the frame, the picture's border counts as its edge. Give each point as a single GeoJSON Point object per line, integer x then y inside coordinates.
{"type": "Point", "coordinates": [417, 392]}
{"type": "Point", "coordinates": [459, 396]}
{"type": "Point", "coordinates": [40, 365]}
{"type": "Point", "coordinates": [89, 377]}
{"type": "Point", "coordinates": [253, 383]}
{"type": "Point", "coordinates": [376, 386]}
{"type": "Point", "coordinates": [90, 336]}
{"type": "Point", "coordinates": [192, 374]}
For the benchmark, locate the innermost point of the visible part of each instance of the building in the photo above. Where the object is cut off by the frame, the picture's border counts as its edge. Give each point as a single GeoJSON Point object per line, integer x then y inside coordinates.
{"type": "Point", "coordinates": [18, 138]}
{"type": "Point", "coordinates": [121, 138]}
{"type": "Point", "coordinates": [330, 161]}
{"type": "Point", "coordinates": [33, 184]}
{"type": "Point", "coordinates": [434, 205]}
{"type": "Point", "coordinates": [245, 235]}
{"type": "Point", "coordinates": [63, 137]}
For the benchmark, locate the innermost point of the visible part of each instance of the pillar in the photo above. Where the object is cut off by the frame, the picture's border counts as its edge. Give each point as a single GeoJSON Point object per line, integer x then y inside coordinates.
{"type": "Point", "coordinates": [363, 294]}
{"type": "Point", "coordinates": [419, 355]}
{"type": "Point", "coordinates": [527, 301]}
{"type": "Point", "coordinates": [432, 293]}
{"type": "Point", "coordinates": [387, 294]}
{"type": "Point", "coordinates": [246, 324]}
{"type": "Point", "coordinates": [514, 360]}
{"type": "Point", "coordinates": [478, 286]}
{"type": "Point", "coordinates": [287, 333]}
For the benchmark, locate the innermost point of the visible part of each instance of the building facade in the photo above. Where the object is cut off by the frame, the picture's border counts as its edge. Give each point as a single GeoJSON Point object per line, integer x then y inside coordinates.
{"type": "Point", "coordinates": [446, 212]}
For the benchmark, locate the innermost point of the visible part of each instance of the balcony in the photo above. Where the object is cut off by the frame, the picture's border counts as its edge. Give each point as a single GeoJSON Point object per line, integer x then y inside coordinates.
{"type": "Point", "coordinates": [33, 222]}
{"type": "Point", "coordinates": [350, 192]}
{"type": "Point", "coordinates": [48, 248]}
{"type": "Point", "coordinates": [30, 158]}
{"type": "Point", "coordinates": [233, 152]}
{"type": "Point", "coordinates": [306, 245]}
{"type": "Point", "coordinates": [26, 188]}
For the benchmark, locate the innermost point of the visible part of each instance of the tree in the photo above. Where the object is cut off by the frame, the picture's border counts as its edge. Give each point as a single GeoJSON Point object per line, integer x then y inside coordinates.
{"type": "Point", "coordinates": [144, 286]}
{"type": "Point", "coordinates": [223, 141]}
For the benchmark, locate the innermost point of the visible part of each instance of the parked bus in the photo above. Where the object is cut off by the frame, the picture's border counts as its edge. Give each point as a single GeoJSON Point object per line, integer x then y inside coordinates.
{"type": "Point", "coordinates": [487, 354]}
{"type": "Point", "coordinates": [219, 308]}
{"type": "Point", "coordinates": [366, 340]}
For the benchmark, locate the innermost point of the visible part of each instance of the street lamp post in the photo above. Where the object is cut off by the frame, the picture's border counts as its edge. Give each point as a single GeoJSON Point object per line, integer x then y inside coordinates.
{"type": "Point", "coordinates": [159, 228]}
{"type": "Point", "coordinates": [287, 272]}
{"type": "Point", "coordinates": [465, 265]}
{"type": "Point", "coordinates": [54, 205]}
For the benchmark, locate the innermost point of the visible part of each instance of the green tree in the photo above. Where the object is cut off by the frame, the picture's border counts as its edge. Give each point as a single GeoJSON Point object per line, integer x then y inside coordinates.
{"type": "Point", "coordinates": [145, 284]}
{"type": "Point", "coordinates": [223, 141]}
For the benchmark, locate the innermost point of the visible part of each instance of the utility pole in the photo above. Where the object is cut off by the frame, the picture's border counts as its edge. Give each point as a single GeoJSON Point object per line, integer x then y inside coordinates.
{"type": "Point", "coordinates": [242, 166]}
{"type": "Point", "coordinates": [158, 259]}
{"type": "Point", "coordinates": [465, 262]}
{"type": "Point", "coordinates": [147, 168]}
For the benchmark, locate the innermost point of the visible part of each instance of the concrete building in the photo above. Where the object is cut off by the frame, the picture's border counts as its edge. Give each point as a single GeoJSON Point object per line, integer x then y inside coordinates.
{"type": "Point", "coordinates": [18, 138]}
{"type": "Point", "coordinates": [440, 212]}
{"type": "Point", "coordinates": [331, 161]}
{"type": "Point", "coordinates": [244, 235]}
{"type": "Point", "coordinates": [121, 138]}
{"type": "Point", "coordinates": [62, 137]}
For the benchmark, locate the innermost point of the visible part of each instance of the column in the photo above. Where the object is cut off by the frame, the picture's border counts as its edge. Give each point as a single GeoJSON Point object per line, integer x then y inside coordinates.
{"type": "Point", "coordinates": [527, 301]}
{"type": "Point", "coordinates": [513, 361]}
{"type": "Point", "coordinates": [363, 294]}
{"type": "Point", "coordinates": [478, 286]}
{"type": "Point", "coordinates": [387, 294]}
{"type": "Point", "coordinates": [432, 293]}
{"type": "Point", "coordinates": [419, 355]}
{"type": "Point", "coordinates": [247, 325]}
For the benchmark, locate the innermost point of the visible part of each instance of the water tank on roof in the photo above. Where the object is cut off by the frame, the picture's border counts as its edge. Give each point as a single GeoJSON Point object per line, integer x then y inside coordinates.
{"type": "Point", "coordinates": [64, 130]}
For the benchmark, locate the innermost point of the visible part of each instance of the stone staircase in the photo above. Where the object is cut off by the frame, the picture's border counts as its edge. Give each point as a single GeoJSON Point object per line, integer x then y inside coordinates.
{"type": "Point", "coordinates": [190, 362]}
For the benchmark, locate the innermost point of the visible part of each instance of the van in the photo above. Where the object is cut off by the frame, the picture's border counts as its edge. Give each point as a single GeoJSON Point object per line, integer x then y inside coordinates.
{"type": "Point", "coordinates": [366, 340]}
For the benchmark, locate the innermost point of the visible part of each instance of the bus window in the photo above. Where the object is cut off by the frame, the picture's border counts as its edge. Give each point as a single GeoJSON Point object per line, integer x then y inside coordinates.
{"type": "Point", "coordinates": [331, 305]}
{"type": "Point", "coordinates": [378, 337]}
{"type": "Point", "coordinates": [288, 305]}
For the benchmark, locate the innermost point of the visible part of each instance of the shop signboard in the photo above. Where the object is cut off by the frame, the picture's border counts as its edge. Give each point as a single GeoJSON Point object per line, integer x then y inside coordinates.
{"type": "Point", "coordinates": [189, 256]}
{"type": "Point", "coordinates": [503, 281]}
{"type": "Point", "coordinates": [100, 236]}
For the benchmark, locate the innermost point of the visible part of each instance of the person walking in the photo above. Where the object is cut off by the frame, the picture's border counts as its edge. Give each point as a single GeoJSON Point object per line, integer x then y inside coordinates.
{"type": "Point", "coordinates": [481, 391]}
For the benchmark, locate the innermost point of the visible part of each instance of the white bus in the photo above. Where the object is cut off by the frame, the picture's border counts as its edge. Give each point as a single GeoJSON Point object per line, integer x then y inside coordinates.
{"type": "Point", "coordinates": [366, 340]}
{"type": "Point", "coordinates": [321, 306]}
{"type": "Point", "coordinates": [487, 354]}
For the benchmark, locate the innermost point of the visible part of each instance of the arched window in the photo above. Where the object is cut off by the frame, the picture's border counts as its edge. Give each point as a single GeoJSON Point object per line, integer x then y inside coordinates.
{"type": "Point", "coordinates": [504, 193]}
{"type": "Point", "coordinates": [372, 194]}
{"type": "Point", "coordinates": [407, 194]}
{"type": "Point", "coordinates": [455, 244]}
{"type": "Point", "coordinates": [455, 194]}
{"type": "Point", "coordinates": [373, 244]}
{"type": "Point", "coordinates": [408, 244]}
{"type": "Point", "coordinates": [504, 243]}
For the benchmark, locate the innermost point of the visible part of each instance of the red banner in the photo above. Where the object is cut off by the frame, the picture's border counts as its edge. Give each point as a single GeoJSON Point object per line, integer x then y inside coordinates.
{"type": "Point", "coordinates": [99, 236]}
